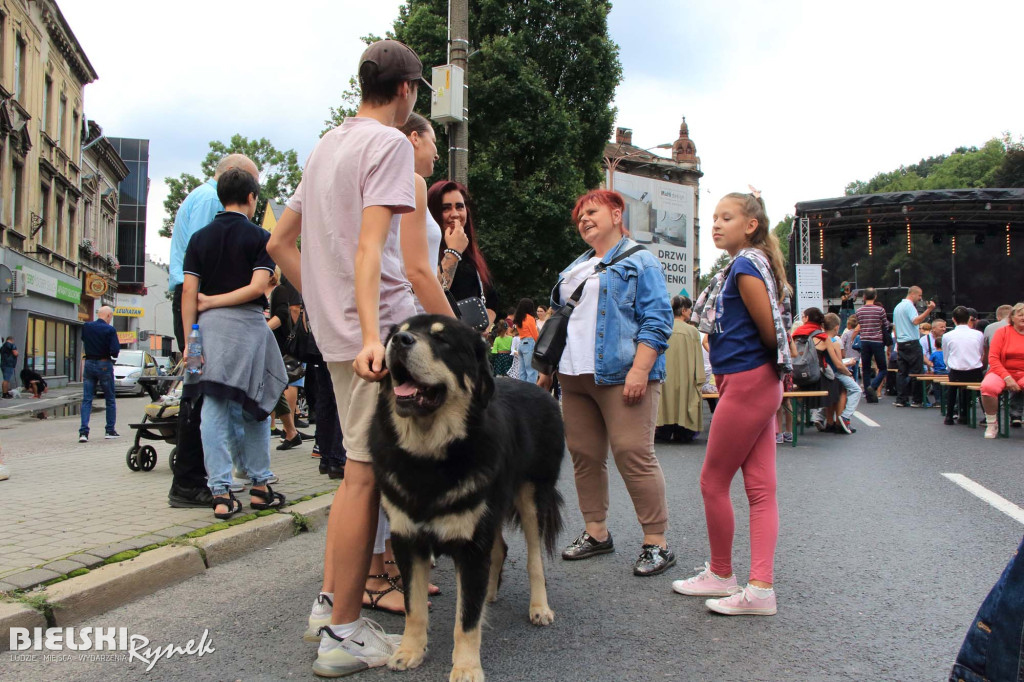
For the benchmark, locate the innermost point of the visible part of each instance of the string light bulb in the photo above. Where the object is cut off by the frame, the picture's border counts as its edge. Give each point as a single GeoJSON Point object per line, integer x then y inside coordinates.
{"type": "Point", "coordinates": [952, 241]}
{"type": "Point", "coordinates": [871, 241]}
{"type": "Point", "coordinates": [821, 244]}
{"type": "Point", "coordinates": [1007, 239]}
{"type": "Point", "coordinates": [908, 235]}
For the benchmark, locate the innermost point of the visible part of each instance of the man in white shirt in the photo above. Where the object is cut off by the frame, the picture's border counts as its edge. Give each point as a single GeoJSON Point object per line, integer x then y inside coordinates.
{"type": "Point", "coordinates": [964, 348]}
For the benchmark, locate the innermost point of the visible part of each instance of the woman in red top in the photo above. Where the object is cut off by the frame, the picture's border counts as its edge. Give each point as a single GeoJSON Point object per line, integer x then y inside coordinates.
{"type": "Point", "coordinates": [1005, 368]}
{"type": "Point", "coordinates": [526, 323]}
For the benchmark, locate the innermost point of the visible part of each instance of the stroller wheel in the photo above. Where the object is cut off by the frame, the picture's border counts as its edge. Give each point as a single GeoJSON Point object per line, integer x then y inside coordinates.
{"type": "Point", "coordinates": [173, 460]}
{"type": "Point", "coordinates": [132, 459]}
{"type": "Point", "coordinates": [147, 458]}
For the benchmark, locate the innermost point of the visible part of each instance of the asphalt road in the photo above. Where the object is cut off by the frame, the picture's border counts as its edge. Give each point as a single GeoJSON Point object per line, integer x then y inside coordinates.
{"type": "Point", "coordinates": [881, 566]}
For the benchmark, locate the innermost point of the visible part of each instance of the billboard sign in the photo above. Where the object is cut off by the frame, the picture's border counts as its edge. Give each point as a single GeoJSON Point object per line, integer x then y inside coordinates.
{"type": "Point", "coordinates": [659, 215]}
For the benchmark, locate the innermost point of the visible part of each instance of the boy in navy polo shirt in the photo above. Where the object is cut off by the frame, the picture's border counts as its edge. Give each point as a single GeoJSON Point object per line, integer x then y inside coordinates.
{"type": "Point", "coordinates": [226, 272]}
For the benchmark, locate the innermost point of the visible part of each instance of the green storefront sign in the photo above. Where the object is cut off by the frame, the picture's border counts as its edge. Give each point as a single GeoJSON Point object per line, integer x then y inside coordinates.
{"type": "Point", "coordinates": [51, 286]}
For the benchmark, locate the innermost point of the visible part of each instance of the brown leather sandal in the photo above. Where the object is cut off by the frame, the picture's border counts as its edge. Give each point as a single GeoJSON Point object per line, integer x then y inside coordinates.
{"type": "Point", "coordinates": [376, 595]}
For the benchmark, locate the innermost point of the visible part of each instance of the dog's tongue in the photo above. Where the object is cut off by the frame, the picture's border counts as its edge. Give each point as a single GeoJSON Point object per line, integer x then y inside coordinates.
{"type": "Point", "coordinates": [405, 390]}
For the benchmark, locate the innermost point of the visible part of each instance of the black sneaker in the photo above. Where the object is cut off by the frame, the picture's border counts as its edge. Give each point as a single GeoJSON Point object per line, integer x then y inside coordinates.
{"type": "Point", "coordinates": [844, 426]}
{"type": "Point", "coordinates": [110, 435]}
{"type": "Point", "coordinates": [900, 404]}
{"type": "Point", "coordinates": [181, 498]}
{"type": "Point", "coordinates": [289, 444]}
{"type": "Point", "coordinates": [872, 395]}
{"type": "Point", "coordinates": [653, 560]}
{"type": "Point", "coordinates": [585, 547]}
{"type": "Point", "coordinates": [1015, 422]}
{"type": "Point", "coordinates": [83, 438]}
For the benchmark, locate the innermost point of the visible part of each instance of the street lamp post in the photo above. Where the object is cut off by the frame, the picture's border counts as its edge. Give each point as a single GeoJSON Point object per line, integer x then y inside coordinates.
{"type": "Point", "coordinates": [612, 162]}
{"type": "Point", "coordinates": [855, 266]}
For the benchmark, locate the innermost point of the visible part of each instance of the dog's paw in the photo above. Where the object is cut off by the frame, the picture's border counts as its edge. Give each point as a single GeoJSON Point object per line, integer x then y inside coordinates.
{"type": "Point", "coordinates": [467, 674]}
{"type": "Point", "coordinates": [541, 615]}
{"type": "Point", "coordinates": [407, 659]}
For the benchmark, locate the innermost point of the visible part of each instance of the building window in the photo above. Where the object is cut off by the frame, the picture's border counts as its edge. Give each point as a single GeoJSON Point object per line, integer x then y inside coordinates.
{"type": "Point", "coordinates": [74, 137]}
{"type": "Point", "coordinates": [58, 220]}
{"type": "Point", "coordinates": [51, 347]}
{"type": "Point", "coordinates": [62, 114]}
{"type": "Point", "coordinates": [19, 69]}
{"type": "Point", "coordinates": [87, 227]}
{"type": "Point", "coordinates": [70, 253]}
{"type": "Point", "coordinates": [44, 201]}
{"type": "Point", "coordinates": [44, 123]}
{"type": "Point", "coordinates": [17, 175]}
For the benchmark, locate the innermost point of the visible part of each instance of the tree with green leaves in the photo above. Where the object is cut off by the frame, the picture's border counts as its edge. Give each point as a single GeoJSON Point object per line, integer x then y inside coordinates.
{"type": "Point", "coordinates": [542, 75]}
{"type": "Point", "coordinates": [965, 168]}
{"type": "Point", "coordinates": [279, 175]}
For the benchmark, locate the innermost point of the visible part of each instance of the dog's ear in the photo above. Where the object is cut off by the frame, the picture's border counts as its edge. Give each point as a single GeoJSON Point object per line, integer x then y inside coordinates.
{"type": "Point", "coordinates": [484, 387]}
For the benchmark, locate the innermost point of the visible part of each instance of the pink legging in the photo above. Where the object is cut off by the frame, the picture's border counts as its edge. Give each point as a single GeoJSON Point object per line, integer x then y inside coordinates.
{"type": "Point", "coordinates": [742, 436]}
{"type": "Point", "coordinates": [993, 384]}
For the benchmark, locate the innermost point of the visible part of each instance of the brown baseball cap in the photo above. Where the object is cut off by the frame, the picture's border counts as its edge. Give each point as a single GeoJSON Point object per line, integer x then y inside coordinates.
{"type": "Point", "coordinates": [395, 61]}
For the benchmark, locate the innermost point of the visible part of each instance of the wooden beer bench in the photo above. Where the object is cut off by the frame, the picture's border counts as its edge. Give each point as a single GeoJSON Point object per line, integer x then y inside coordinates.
{"type": "Point", "coordinates": [1002, 410]}
{"type": "Point", "coordinates": [800, 417]}
{"type": "Point", "coordinates": [938, 378]}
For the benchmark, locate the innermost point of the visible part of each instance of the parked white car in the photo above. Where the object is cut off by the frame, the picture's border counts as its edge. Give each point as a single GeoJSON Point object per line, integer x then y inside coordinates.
{"type": "Point", "coordinates": [129, 367]}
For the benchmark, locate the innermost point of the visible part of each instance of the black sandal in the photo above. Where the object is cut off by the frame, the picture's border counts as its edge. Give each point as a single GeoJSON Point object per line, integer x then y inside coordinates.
{"type": "Point", "coordinates": [376, 595]}
{"type": "Point", "coordinates": [398, 580]}
{"type": "Point", "coordinates": [271, 500]}
{"type": "Point", "coordinates": [234, 506]}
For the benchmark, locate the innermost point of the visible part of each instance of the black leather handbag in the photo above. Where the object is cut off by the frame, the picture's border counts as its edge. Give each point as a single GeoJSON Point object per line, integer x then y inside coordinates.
{"type": "Point", "coordinates": [473, 310]}
{"type": "Point", "coordinates": [553, 335]}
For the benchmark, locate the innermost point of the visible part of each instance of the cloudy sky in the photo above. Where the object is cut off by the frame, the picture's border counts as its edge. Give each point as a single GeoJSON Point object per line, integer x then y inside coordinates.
{"type": "Point", "coordinates": [796, 98]}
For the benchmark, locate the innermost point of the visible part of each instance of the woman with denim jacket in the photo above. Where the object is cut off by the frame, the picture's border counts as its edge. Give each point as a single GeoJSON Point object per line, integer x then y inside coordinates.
{"type": "Point", "coordinates": [611, 373]}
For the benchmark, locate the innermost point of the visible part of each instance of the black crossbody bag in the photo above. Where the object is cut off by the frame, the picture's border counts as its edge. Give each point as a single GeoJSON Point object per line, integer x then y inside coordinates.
{"type": "Point", "coordinates": [553, 335]}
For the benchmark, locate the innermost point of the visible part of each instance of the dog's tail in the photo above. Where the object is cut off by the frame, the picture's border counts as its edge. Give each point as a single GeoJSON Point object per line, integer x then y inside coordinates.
{"type": "Point", "coordinates": [549, 514]}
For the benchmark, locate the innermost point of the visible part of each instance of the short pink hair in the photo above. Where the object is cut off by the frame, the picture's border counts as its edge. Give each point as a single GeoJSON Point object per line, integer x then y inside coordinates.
{"type": "Point", "coordinates": [601, 197]}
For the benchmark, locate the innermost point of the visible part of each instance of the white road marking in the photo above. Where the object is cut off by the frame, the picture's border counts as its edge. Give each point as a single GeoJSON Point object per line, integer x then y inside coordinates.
{"type": "Point", "coordinates": [867, 420]}
{"type": "Point", "coordinates": [978, 490]}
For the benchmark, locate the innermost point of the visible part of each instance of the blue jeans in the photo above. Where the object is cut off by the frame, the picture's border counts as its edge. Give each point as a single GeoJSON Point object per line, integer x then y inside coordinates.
{"type": "Point", "coordinates": [230, 433]}
{"type": "Point", "coordinates": [852, 394]}
{"type": "Point", "coordinates": [876, 350]}
{"type": "Point", "coordinates": [101, 372]}
{"type": "Point", "coordinates": [526, 370]}
{"type": "Point", "coordinates": [994, 646]}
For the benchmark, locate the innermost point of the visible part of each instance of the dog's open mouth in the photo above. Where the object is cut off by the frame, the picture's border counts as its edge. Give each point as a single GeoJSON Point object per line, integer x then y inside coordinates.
{"type": "Point", "coordinates": [411, 394]}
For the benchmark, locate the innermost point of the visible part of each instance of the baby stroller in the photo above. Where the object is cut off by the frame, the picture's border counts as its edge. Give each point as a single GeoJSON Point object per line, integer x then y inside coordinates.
{"type": "Point", "coordinates": [159, 422]}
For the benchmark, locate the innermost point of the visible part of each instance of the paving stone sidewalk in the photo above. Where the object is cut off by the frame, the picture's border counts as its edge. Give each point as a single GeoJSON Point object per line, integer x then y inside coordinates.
{"type": "Point", "coordinates": [69, 505]}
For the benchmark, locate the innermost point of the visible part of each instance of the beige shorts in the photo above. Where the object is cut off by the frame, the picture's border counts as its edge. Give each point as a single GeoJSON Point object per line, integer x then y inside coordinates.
{"type": "Point", "coordinates": [357, 400]}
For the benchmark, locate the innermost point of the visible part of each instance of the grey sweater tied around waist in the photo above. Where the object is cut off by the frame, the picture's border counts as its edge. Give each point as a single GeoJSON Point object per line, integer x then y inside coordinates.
{"type": "Point", "coordinates": [241, 360]}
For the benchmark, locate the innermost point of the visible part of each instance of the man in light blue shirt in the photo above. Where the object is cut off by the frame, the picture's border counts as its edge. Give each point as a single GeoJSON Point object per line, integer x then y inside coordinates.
{"type": "Point", "coordinates": [909, 356]}
{"type": "Point", "coordinates": [188, 487]}
{"type": "Point", "coordinates": [196, 212]}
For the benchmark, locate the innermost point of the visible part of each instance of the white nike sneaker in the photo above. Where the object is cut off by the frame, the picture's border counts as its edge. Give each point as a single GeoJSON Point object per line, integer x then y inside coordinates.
{"type": "Point", "coordinates": [319, 617]}
{"type": "Point", "coordinates": [368, 647]}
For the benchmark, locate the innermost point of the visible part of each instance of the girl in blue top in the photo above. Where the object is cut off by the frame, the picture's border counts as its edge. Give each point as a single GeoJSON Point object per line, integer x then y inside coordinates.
{"type": "Point", "coordinates": [749, 351]}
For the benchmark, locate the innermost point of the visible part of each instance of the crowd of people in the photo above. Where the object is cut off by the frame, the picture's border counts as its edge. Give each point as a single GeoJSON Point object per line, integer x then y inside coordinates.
{"type": "Point", "coordinates": [378, 246]}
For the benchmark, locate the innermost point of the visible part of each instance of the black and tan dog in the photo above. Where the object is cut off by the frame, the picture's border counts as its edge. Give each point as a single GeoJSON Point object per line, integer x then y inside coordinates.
{"type": "Point", "coordinates": [456, 455]}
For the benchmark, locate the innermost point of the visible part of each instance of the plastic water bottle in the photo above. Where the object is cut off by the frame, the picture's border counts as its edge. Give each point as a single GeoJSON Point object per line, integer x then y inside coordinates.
{"type": "Point", "coordinates": [194, 361]}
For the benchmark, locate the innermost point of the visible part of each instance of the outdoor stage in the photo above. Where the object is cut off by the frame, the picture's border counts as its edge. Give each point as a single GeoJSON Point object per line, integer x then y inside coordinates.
{"type": "Point", "coordinates": [960, 246]}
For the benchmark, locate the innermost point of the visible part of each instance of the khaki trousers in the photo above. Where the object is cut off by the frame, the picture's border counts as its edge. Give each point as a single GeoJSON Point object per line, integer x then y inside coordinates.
{"type": "Point", "coordinates": [596, 417]}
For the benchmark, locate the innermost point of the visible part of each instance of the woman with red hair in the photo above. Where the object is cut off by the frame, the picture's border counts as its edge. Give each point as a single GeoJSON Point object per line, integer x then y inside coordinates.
{"type": "Point", "coordinates": [463, 269]}
{"type": "Point", "coordinates": [611, 372]}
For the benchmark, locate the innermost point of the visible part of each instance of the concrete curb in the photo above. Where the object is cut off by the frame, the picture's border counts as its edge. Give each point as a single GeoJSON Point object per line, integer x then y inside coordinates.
{"type": "Point", "coordinates": [111, 586]}
{"type": "Point", "coordinates": [316, 510]}
{"type": "Point", "coordinates": [108, 587]}
{"type": "Point", "coordinates": [13, 615]}
{"type": "Point", "coordinates": [229, 544]}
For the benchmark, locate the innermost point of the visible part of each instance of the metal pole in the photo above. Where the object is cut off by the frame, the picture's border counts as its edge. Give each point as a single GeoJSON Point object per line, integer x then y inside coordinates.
{"type": "Point", "coordinates": [458, 55]}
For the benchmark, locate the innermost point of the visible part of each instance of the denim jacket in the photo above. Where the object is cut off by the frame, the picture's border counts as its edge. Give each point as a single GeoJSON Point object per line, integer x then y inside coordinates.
{"type": "Point", "coordinates": [638, 311]}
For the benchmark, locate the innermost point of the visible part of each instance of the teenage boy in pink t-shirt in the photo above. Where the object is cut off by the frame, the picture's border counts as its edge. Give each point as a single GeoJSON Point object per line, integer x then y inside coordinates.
{"type": "Point", "coordinates": [355, 186]}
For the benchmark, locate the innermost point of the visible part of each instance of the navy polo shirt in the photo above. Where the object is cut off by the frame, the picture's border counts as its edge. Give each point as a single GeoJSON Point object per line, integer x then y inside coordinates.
{"type": "Point", "coordinates": [100, 340]}
{"type": "Point", "coordinates": [736, 344]}
{"type": "Point", "coordinates": [224, 254]}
